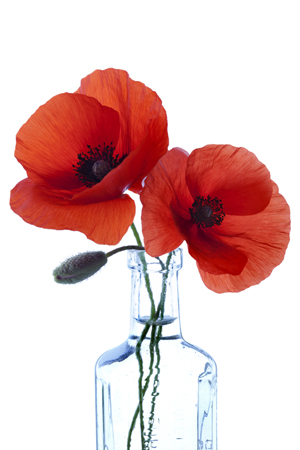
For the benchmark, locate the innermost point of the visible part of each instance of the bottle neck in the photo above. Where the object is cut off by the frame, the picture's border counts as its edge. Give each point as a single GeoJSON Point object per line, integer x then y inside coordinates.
{"type": "Point", "coordinates": [154, 294]}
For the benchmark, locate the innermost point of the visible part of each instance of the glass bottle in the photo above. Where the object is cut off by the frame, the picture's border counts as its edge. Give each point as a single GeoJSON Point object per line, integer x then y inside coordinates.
{"type": "Point", "coordinates": [155, 391]}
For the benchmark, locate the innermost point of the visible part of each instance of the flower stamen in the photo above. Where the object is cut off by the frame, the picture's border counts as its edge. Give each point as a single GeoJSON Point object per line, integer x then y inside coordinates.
{"type": "Point", "coordinates": [207, 212]}
{"type": "Point", "coordinates": [92, 167]}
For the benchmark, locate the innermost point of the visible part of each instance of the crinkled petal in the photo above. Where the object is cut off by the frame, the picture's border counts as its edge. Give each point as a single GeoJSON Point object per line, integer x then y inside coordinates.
{"type": "Point", "coordinates": [104, 223]}
{"type": "Point", "coordinates": [128, 175]}
{"type": "Point", "coordinates": [233, 175]}
{"type": "Point", "coordinates": [49, 142]}
{"type": "Point", "coordinates": [151, 149]}
{"type": "Point", "coordinates": [165, 183]}
{"type": "Point", "coordinates": [112, 186]}
{"type": "Point", "coordinates": [143, 119]}
{"type": "Point", "coordinates": [263, 237]}
{"type": "Point", "coordinates": [212, 255]}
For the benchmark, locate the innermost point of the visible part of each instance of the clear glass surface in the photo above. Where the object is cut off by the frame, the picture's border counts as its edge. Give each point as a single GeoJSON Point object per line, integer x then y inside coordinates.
{"type": "Point", "coordinates": [156, 392]}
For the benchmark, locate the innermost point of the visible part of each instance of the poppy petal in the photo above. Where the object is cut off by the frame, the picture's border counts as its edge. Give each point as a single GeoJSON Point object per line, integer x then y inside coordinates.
{"type": "Point", "coordinates": [165, 183]}
{"type": "Point", "coordinates": [112, 186]}
{"type": "Point", "coordinates": [264, 239]}
{"type": "Point", "coordinates": [212, 255]}
{"type": "Point", "coordinates": [233, 175]}
{"type": "Point", "coordinates": [151, 149]}
{"type": "Point", "coordinates": [128, 175]}
{"type": "Point", "coordinates": [97, 220]}
{"type": "Point", "coordinates": [48, 144]}
{"type": "Point", "coordinates": [143, 120]}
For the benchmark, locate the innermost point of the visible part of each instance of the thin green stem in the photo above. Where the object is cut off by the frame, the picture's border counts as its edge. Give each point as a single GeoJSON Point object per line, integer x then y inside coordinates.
{"type": "Point", "coordinates": [121, 249]}
{"type": "Point", "coordinates": [139, 242]}
{"type": "Point", "coordinates": [154, 340]}
{"type": "Point", "coordinates": [141, 391]}
{"type": "Point", "coordinates": [136, 235]}
{"type": "Point", "coordinates": [138, 349]}
{"type": "Point", "coordinates": [143, 260]}
{"type": "Point", "coordinates": [155, 386]}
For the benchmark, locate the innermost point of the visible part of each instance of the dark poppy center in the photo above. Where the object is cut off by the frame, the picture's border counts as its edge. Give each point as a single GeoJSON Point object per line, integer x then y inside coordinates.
{"type": "Point", "coordinates": [94, 165]}
{"type": "Point", "coordinates": [100, 169]}
{"type": "Point", "coordinates": [207, 212]}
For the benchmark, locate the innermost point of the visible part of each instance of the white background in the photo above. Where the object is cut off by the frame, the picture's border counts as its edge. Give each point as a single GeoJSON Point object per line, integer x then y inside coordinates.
{"type": "Point", "coordinates": [227, 72]}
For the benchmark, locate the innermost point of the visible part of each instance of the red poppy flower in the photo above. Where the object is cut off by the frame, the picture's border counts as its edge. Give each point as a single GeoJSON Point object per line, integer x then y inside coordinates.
{"type": "Point", "coordinates": [82, 151]}
{"type": "Point", "coordinates": [222, 202]}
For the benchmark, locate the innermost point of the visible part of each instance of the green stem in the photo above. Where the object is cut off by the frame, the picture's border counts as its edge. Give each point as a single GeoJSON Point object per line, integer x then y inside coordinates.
{"type": "Point", "coordinates": [155, 386]}
{"type": "Point", "coordinates": [154, 340]}
{"type": "Point", "coordinates": [136, 234]}
{"type": "Point", "coordinates": [147, 379]}
{"type": "Point", "coordinates": [143, 259]}
{"type": "Point", "coordinates": [139, 409]}
{"type": "Point", "coordinates": [139, 242]}
{"type": "Point", "coordinates": [142, 391]}
{"type": "Point", "coordinates": [121, 249]}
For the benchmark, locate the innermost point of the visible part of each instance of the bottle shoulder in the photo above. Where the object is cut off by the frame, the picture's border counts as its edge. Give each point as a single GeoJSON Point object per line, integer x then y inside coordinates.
{"type": "Point", "coordinates": [198, 352]}
{"type": "Point", "coordinates": [116, 354]}
{"type": "Point", "coordinates": [173, 352]}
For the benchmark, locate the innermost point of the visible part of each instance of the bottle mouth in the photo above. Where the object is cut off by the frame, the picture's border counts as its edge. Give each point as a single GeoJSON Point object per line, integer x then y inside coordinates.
{"type": "Point", "coordinates": [139, 259]}
{"type": "Point", "coordinates": [158, 322]}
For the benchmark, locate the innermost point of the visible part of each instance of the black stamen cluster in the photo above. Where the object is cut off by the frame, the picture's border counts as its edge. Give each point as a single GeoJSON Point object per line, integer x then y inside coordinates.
{"type": "Point", "coordinates": [84, 167]}
{"type": "Point", "coordinates": [207, 212]}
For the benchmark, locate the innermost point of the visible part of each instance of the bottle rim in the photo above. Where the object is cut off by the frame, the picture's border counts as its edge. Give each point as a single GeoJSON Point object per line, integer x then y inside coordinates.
{"type": "Point", "coordinates": [136, 260]}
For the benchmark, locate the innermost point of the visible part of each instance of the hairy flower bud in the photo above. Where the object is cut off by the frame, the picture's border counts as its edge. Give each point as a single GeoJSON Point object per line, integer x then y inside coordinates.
{"type": "Point", "coordinates": [79, 267]}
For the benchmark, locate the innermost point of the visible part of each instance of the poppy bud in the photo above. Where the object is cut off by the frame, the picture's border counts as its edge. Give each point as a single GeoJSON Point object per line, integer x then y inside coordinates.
{"type": "Point", "coordinates": [79, 267]}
